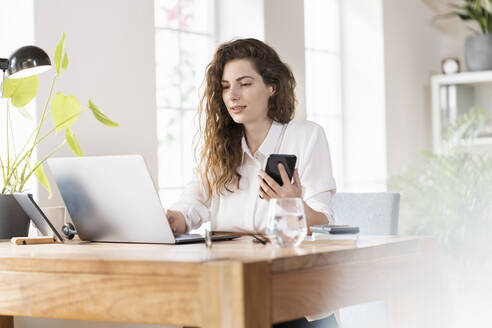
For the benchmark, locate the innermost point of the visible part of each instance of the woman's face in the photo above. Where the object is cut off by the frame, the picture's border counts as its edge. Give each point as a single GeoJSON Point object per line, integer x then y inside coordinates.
{"type": "Point", "coordinates": [244, 93]}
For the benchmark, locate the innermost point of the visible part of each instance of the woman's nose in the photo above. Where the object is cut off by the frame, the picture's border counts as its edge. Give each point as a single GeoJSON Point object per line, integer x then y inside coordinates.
{"type": "Point", "coordinates": [234, 94]}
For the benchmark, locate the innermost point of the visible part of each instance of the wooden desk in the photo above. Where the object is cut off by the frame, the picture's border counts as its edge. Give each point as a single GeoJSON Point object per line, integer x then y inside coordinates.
{"type": "Point", "coordinates": [234, 284]}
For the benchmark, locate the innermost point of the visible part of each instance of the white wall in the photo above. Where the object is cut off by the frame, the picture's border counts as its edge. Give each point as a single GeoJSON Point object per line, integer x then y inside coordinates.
{"type": "Point", "coordinates": [111, 61]}
{"type": "Point", "coordinates": [413, 49]}
{"type": "Point", "coordinates": [16, 26]}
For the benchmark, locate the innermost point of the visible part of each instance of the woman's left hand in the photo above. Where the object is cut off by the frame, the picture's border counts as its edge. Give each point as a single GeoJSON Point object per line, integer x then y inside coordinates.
{"type": "Point", "coordinates": [269, 188]}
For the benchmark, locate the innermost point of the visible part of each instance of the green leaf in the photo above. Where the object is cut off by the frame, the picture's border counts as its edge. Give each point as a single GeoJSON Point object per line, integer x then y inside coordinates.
{"type": "Point", "coordinates": [58, 54]}
{"type": "Point", "coordinates": [39, 173]}
{"type": "Point", "coordinates": [72, 142]}
{"type": "Point", "coordinates": [25, 113]}
{"type": "Point", "coordinates": [100, 116]}
{"type": "Point", "coordinates": [65, 111]}
{"type": "Point", "coordinates": [65, 61]}
{"type": "Point", "coordinates": [21, 91]}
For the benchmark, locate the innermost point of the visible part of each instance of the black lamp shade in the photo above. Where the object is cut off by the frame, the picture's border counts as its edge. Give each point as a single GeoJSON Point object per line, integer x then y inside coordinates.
{"type": "Point", "coordinates": [27, 61]}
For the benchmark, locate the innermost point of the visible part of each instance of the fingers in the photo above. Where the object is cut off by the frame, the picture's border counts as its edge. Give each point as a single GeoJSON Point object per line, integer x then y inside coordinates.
{"type": "Point", "coordinates": [283, 174]}
{"type": "Point", "coordinates": [172, 219]}
{"type": "Point", "coordinates": [263, 195]}
{"type": "Point", "coordinates": [266, 189]}
{"type": "Point", "coordinates": [269, 180]}
{"type": "Point", "coordinates": [297, 181]}
{"type": "Point", "coordinates": [269, 188]}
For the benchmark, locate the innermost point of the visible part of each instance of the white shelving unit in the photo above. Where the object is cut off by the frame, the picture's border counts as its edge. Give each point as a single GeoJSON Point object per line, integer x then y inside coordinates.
{"type": "Point", "coordinates": [455, 94]}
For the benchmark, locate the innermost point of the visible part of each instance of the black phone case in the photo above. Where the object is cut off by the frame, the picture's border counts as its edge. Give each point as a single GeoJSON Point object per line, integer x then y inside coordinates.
{"type": "Point", "coordinates": [288, 161]}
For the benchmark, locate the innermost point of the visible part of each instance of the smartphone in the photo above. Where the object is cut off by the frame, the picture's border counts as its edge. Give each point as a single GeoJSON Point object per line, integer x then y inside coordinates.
{"type": "Point", "coordinates": [288, 161]}
{"type": "Point", "coordinates": [335, 229]}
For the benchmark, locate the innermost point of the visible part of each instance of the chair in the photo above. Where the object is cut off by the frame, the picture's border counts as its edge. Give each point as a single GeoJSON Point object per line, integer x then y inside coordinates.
{"type": "Point", "coordinates": [375, 214]}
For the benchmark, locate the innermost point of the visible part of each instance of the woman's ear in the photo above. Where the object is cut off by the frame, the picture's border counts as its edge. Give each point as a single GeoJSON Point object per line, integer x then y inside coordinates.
{"type": "Point", "coordinates": [271, 88]}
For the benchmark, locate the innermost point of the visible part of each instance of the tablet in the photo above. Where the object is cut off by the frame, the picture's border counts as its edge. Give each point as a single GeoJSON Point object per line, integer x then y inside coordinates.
{"type": "Point", "coordinates": [36, 215]}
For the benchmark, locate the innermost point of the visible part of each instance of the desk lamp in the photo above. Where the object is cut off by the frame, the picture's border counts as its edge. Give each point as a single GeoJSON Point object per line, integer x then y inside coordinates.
{"type": "Point", "coordinates": [24, 62]}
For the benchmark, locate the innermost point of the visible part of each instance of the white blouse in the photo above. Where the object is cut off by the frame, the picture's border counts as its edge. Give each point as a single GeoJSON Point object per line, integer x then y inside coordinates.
{"type": "Point", "coordinates": [243, 209]}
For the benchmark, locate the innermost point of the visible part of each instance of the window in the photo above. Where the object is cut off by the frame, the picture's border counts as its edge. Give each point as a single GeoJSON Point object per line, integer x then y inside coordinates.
{"type": "Point", "coordinates": [184, 39]}
{"type": "Point", "coordinates": [323, 75]}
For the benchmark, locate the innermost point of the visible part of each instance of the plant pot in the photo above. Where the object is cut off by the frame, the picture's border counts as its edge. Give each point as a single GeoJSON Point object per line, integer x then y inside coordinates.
{"type": "Point", "coordinates": [13, 220]}
{"type": "Point", "coordinates": [478, 52]}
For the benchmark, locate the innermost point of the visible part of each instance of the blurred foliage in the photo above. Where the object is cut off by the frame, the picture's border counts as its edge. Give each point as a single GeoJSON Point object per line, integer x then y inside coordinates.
{"type": "Point", "coordinates": [449, 195]}
{"type": "Point", "coordinates": [476, 11]}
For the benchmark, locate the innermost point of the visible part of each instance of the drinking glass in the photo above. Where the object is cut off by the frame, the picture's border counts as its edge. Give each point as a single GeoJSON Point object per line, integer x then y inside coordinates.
{"type": "Point", "coordinates": [286, 222]}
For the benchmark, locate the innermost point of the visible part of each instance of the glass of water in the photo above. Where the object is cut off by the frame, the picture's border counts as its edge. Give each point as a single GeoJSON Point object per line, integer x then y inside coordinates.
{"type": "Point", "coordinates": [286, 222]}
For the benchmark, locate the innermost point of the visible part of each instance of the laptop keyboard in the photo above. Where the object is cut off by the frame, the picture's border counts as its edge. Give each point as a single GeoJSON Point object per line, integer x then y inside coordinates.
{"type": "Point", "coordinates": [187, 236]}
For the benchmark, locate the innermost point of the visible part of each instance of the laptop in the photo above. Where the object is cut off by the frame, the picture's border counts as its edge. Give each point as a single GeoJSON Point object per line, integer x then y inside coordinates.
{"type": "Point", "coordinates": [113, 199]}
{"type": "Point", "coordinates": [37, 216]}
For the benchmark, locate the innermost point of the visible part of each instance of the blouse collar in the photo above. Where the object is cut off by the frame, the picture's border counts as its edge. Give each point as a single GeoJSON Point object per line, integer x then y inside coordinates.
{"type": "Point", "coordinates": [268, 145]}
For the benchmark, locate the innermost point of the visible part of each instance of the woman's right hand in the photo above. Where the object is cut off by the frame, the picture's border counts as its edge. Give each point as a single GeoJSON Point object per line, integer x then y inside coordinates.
{"type": "Point", "coordinates": [176, 221]}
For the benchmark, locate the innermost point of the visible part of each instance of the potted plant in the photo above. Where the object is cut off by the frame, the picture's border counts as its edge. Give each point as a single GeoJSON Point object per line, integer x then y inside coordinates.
{"type": "Point", "coordinates": [478, 46]}
{"type": "Point", "coordinates": [17, 164]}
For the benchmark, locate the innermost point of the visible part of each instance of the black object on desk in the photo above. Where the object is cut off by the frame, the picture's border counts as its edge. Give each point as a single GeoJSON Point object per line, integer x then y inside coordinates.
{"type": "Point", "coordinates": [334, 229]}
{"type": "Point", "coordinates": [36, 215]}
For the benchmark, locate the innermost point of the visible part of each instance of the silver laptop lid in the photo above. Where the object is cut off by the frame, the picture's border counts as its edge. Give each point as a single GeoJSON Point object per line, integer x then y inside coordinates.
{"type": "Point", "coordinates": [111, 198]}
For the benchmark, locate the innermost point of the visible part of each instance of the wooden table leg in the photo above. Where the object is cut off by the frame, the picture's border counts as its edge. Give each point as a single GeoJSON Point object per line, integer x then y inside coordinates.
{"type": "Point", "coordinates": [6, 321]}
{"type": "Point", "coordinates": [236, 295]}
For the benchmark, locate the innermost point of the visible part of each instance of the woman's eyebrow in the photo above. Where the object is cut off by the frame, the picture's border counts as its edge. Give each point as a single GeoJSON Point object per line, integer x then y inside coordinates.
{"type": "Point", "coordinates": [245, 77]}
{"type": "Point", "coordinates": [240, 78]}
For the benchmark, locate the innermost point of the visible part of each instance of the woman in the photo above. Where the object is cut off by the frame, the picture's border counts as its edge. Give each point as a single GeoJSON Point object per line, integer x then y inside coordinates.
{"type": "Point", "coordinates": [247, 107]}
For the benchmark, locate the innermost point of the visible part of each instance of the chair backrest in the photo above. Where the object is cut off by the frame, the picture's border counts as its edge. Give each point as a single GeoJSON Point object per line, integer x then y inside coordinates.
{"type": "Point", "coordinates": [375, 213]}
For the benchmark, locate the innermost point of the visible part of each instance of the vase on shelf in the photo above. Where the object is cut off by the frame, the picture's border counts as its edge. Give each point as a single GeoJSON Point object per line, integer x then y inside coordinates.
{"type": "Point", "coordinates": [478, 52]}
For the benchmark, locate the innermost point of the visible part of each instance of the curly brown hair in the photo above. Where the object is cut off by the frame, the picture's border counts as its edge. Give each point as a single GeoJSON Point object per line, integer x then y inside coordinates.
{"type": "Point", "coordinates": [221, 153]}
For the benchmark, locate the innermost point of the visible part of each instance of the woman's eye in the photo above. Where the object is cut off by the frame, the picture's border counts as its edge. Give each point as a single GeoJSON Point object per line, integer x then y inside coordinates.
{"type": "Point", "coordinates": [245, 84]}
{"type": "Point", "coordinates": [225, 87]}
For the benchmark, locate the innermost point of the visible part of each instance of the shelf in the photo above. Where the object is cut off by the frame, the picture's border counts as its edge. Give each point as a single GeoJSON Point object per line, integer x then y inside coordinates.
{"type": "Point", "coordinates": [451, 94]}
{"type": "Point", "coordinates": [462, 78]}
{"type": "Point", "coordinates": [479, 141]}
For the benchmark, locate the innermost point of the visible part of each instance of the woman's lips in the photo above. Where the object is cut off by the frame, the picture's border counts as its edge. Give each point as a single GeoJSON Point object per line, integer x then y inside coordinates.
{"type": "Point", "coordinates": [237, 109]}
